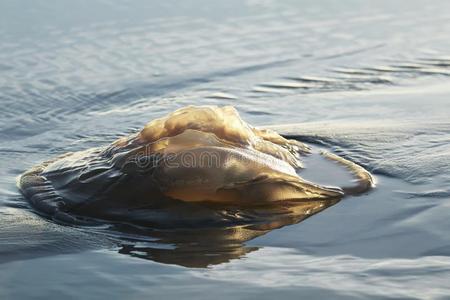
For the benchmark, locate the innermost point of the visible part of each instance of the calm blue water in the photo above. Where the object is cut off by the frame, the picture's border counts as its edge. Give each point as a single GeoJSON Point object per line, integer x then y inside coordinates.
{"type": "Point", "coordinates": [367, 80]}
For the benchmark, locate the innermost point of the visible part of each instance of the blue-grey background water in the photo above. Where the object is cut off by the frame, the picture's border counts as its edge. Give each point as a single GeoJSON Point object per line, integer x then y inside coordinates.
{"type": "Point", "coordinates": [369, 80]}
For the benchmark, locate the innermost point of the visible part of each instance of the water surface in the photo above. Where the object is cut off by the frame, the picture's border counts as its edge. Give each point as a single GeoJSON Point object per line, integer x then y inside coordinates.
{"type": "Point", "coordinates": [367, 80]}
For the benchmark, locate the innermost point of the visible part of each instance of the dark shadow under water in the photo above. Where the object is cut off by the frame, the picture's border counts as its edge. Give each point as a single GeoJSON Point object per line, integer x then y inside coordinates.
{"type": "Point", "coordinates": [202, 247]}
{"type": "Point", "coordinates": [28, 236]}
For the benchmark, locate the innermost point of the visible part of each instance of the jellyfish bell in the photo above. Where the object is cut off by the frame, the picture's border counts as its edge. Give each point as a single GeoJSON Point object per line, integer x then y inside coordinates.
{"type": "Point", "coordinates": [179, 167]}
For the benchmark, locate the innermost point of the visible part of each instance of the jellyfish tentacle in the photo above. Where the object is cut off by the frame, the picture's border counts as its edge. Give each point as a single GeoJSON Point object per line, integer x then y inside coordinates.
{"type": "Point", "coordinates": [364, 180]}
